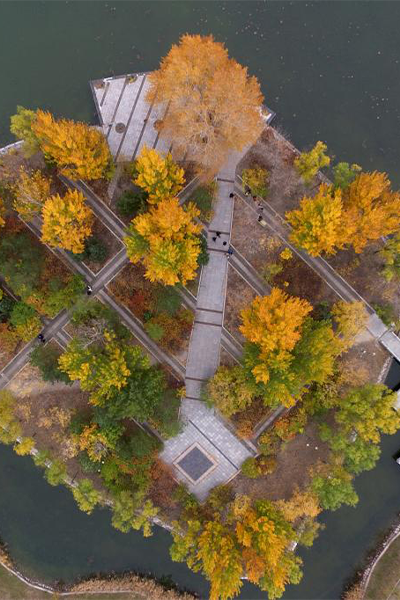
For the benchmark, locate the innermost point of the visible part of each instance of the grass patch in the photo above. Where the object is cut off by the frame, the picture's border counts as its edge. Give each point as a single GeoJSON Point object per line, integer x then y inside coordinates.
{"type": "Point", "coordinates": [386, 575]}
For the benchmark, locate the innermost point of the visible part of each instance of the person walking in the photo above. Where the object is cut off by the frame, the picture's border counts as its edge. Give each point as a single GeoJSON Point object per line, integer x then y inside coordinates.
{"type": "Point", "coordinates": [41, 338]}
{"type": "Point", "coordinates": [89, 289]}
{"type": "Point", "coordinates": [229, 252]}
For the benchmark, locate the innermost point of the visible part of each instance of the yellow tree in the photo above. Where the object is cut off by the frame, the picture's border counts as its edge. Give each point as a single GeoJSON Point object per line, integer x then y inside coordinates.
{"type": "Point", "coordinates": [309, 163]}
{"type": "Point", "coordinates": [2, 213]}
{"type": "Point", "coordinates": [274, 324]}
{"type": "Point", "coordinates": [80, 151]}
{"type": "Point", "coordinates": [213, 105]}
{"type": "Point", "coordinates": [302, 503]}
{"type": "Point", "coordinates": [317, 223]}
{"type": "Point", "coordinates": [160, 177]}
{"type": "Point", "coordinates": [67, 221]}
{"type": "Point", "coordinates": [351, 319]}
{"type": "Point", "coordinates": [371, 210]}
{"type": "Point", "coordinates": [31, 191]}
{"type": "Point", "coordinates": [166, 239]}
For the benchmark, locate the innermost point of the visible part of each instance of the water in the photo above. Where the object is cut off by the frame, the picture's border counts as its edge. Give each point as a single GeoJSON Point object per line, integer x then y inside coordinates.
{"type": "Point", "coordinates": [331, 71]}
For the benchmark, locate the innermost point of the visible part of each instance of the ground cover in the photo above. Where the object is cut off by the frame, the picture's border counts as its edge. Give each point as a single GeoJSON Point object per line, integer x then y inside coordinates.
{"type": "Point", "coordinates": [161, 311]}
{"type": "Point", "coordinates": [385, 579]}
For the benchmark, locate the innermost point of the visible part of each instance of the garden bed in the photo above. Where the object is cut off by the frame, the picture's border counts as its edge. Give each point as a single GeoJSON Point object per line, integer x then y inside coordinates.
{"type": "Point", "coordinates": [169, 327]}
{"type": "Point", "coordinates": [239, 295]}
{"type": "Point", "coordinates": [110, 245]}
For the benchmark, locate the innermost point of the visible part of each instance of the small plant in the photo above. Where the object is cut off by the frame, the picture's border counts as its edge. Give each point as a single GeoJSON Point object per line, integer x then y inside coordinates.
{"type": "Point", "coordinates": [95, 251]}
{"type": "Point", "coordinates": [155, 331]}
{"type": "Point", "coordinates": [266, 464]}
{"type": "Point", "coordinates": [271, 271]}
{"type": "Point", "coordinates": [130, 203]}
{"type": "Point", "coordinates": [250, 468]}
{"type": "Point", "coordinates": [286, 254]}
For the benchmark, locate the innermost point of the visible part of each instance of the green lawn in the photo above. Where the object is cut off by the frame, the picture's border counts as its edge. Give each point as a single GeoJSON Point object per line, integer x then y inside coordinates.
{"type": "Point", "coordinates": [385, 579]}
{"type": "Point", "coordinates": [11, 588]}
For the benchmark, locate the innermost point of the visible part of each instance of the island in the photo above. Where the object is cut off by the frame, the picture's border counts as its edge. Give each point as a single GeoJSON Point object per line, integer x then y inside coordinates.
{"type": "Point", "coordinates": [195, 320]}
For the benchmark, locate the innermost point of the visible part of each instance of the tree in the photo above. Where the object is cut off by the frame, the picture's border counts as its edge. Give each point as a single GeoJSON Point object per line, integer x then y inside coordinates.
{"type": "Point", "coordinates": [229, 390]}
{"type": "Point", "coordinates": [372, 210]}
{"type": "Point", "coordinates": [101, 369]}
{"type": "Point", "coordinates": [25, 321]}
{"type": "Point", "coordinates": [130, 511]}
{"type": "Point", "coordinates": [31, 192]}
{"type": "Point", "coordinates": [160, 177]}
{"type": "Point", "coordinates": [94, 442]}
{"type": "Point", "coordinates": [21, 262]}
{"type": "Point", "coordinates": [21, 127]}
{"type": "Point", "coordinates": [2, 213]}
{"type": "Point", "coordinates": [67, 221]}
{"type": "Point", "coordinates": [333, 488]}
{"type": "Point", "coordinates": [256, 179]}
{"type": "Point", "coordinates": [80, 151]}
{"type": "Point", "coordinates": [351, 319]}
{"type": "Point", "coordinates": [86, 496]}
{"type": "Point", "coordinates": [141, 396]}
{"type": "Point", "coordinates": [390, 254]}
{"type": "Point", "coordinates": [357, 454]}
{"type": "Point", "coordinates": [309, 163]}
{"type": "Point", "coordinates": [368, 411]}
{"type": "Point", "coordinates": [317, 223]}
{"type": "Point", "coordinates": [143, 519]}
{"type": "Point", "coordinates": [302, 503]}
{"type": "Point", "coordinates": [344, 174]}
{"type": "Point", "coordinates": [273, 323]}
{"type": "Point", "coordinates": [56, 472]}
{"type": "Point", "coordinates": [196, 80]}
{"type": "Point", "coordinates": [10, 429]}
{"type": "Point", "coordinates": [165, 238]}
{"type": "Point", "coordinates": [24, 446]}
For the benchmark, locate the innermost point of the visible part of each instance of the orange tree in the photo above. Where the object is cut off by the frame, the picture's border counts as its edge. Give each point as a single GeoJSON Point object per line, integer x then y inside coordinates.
{"type": "Point", "coordinates": [361, 213]}
{"type": "Point", "coordinates": [79, 151]}
{"type": "Point", "coordinates": [67, 221]}
{"type": "Point", "coordinates": [166, 239]}
{"type": "Point", "coordinates": [254, 540]}
{"type": "Point", "coordinates": [286, 348]}
{"type": "Point", "coordinates": [213, 105]}
{"type": "Point", "coordinates": [30, 193]}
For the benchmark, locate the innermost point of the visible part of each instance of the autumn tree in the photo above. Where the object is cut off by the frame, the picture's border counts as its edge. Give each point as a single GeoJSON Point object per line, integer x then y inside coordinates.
{"type": "Point", "coordinates": [229, 390]}
{"type": "Point", "coordinates": [79, 151]}
{"type": "Point", "coordinates": [160, 177]}
{"type": "Point", "coordinates": [67, 221]}
{"type": "Point", "coordinates": [344, 174]}
{"type": "Point", "coordinates": [24, 446]}
{"type": "Point", "coordinates": [274, 324]}
{"type": "Point", "coordinates": [101, 368]}
{"type": "Point", "coordinates": [256, 179]}
{"type": "Point", "coordinates": [25, 321]}
{"type": "Point", "coordinates": [317, 223]}
{"type": "Point", "coordinates": [309, 163]}
{"type": "Point", "coordinates": [21, 127]}
{"type": "Point", "coordinates": [302, 503]}
{"type": "Point", "coordinates": [368, 411]}
{"type": "Point", "coordinates": [390, 254]}
{"type": "Point", "coordinates": [204, 117]}
{"type": "Point", "coordinates": [333, 487]}
{"type": "Point", "coordinates": [30, 193]}
{"type": "Point", "coordinates": [371, 210]}
{"type": "Point", "coordinates": [10, 429]}
{"type": "Point", "coordinates": [132, 511]}
{"type": "Point", "coordinates": [166, 239]}
{"type": "Point", "coordinates": [351, 319]}
{"type": "Point", "coordinates": [86, 495]}
{"type": "Point", "coordinates": [56, 472]}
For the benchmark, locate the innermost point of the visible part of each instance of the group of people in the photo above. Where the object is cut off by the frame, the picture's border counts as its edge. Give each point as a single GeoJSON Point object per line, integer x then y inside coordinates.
{"type": "Point", "coordinates": [215, 237]}
{"type": "Point", "coordinates": [259, 204]}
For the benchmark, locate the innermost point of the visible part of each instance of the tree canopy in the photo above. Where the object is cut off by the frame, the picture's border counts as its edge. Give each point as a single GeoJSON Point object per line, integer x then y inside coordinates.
{"type": "Point", "coordinates": [79, 151]}
{"type": "Point", "coordinates": [166, 239]}
{"type": "Point", "coordinates": [309, 163]}
{"type": "Point", "coordinates": [21, 127]}
{"type": "Point", "coordinates": [67, 221]}
{"type": "Point", "coordinates": [30, 193]}
{"type": "Point", "coordinates": [213, 105]}
{"type": "Point", "coordinates": [160, 177]}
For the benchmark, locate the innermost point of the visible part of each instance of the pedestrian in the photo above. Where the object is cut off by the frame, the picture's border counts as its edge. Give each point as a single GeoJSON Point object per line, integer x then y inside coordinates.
{"type": "Point", "coordinates": [224, 243]}
{"type": "Point", "coordinates": [214, 238]}
{"type": "Point", "coordinates": [260, 206]}
{"type": "Point", "coordinates": [229, 252]}
{"type": "Point", "coordinates": [231, 195]}
{"type": "Point", "coordinates": [218, 234]}
{"type": "Point", "coordinates": [255, 198]}
{"type": "Point", "coordinates": [41, 338]}
{"type": "Point", "coordinates": [89, 289]}
{"type": "Point", "coordinates": [259, 218]}
{"type": "Point", "coordinates": [247, 191]}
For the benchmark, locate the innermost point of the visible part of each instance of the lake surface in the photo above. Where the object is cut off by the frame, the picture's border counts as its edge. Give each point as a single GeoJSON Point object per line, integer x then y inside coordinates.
{"type": "Point", "coordinates": [331, 70]}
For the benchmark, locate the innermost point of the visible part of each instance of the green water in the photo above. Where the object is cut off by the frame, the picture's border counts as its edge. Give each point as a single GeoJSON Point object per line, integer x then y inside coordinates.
{"type": "Point", "coordinates": [331, 70]}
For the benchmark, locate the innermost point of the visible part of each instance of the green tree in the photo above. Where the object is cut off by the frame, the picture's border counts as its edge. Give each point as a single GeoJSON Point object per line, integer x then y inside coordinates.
{"type": "Point", "coordinates": [10, 429]}
{"type": "Point", "coordinates": [86, 496]}
{"type": "Point", "coordinates": [390, 254]}
{"type": "Point", "coordinates": [358, 455]}
{"type": "Point", "coordinates": [21, 263]}
{"type": "Point", "coordinates": [56, 472]}
{"type": "Point", "coordinates": [25, 321]}
{"type": "Point", "coordinates": [333, 487]}
{"type": "Point", "coordinates": [230, 390]}
{"type": "Point", "coordinates": [21, 127]}
{"type": "Point", "coordinates": [344, 174]}
{"type": "Point", "coordinates": [123, 511]}
{"type": "Point", "coordinates": [45, 358]}
{"type": "Point", "coordinates": [309, 163]}
{"type": "Point", "coordinates": [368, 411]}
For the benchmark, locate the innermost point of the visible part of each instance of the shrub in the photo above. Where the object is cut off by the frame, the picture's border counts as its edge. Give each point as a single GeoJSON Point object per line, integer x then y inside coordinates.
{"type": "Point", "coordinates": [132, 202]}
{"type": "Point", "coordinates": [88, 465]}
{"type": "Point", "coordinates": [155, 331]}
{"type": "Point", "coordinates": [203, 197]}
{"type": "Point", "coordinates": [95, 251]}
{"type": "Point", "coordinates": [256, 180]}
{"type": "Point", "coordinates": [204, 256]}
{"type": "Point", "coordinates": [386, 313]}
{"type": "Point", "coordinates": [56, 473]}
{"type": "Point", "coordinates": [250, 468]}
{"type": "Point", "coordinates": [167, 299]}
{"type": "Point", "coordinates": [6, 306]}
{"type": "Point", "coordinates": [45, 358]}
{"type": "Point", "coordinates": [25, 321]}
{"type": "Point", "coordinates": [266, 464]}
